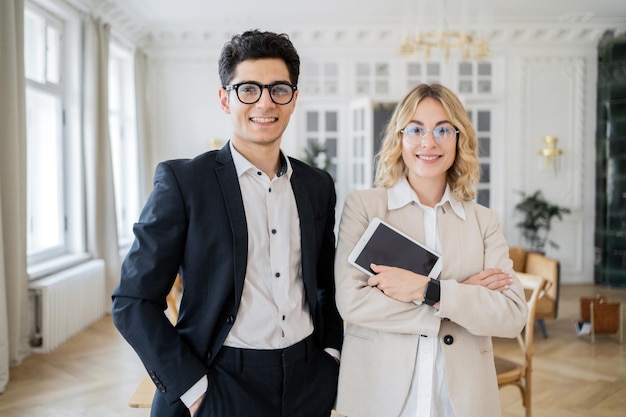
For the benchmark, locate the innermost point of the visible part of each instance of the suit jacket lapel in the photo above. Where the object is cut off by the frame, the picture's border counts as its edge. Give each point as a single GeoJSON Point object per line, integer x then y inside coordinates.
{"type": "Point", "coordinates": [307, 235]}
{"type": "Point", "coordinates": [229, 183]}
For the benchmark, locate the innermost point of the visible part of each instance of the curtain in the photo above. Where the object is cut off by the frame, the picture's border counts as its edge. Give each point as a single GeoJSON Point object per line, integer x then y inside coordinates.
{"type": "Point", "coordinates": [102, 238]}
{"type": "Point", "coordinates": [14, 318]}
{"type": "Point", "coordinates": [146, 170]}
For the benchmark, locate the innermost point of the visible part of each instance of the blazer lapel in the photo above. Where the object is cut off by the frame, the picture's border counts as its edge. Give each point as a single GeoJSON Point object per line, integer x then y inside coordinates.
{"type": "Point", "coordinates": [307, 236]}
{"type": "Point", "coordinates": [229, 183]}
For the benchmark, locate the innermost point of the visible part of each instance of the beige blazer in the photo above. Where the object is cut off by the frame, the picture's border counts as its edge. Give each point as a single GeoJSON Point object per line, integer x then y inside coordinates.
{"type": "Point", "coordinates": [379, 350]}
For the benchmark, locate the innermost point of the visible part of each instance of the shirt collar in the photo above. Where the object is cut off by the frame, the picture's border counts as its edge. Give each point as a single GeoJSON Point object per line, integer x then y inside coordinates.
{"type": "Point", "coordinates": [242, 165]}
{"type": "Point", "coordinates": [402, 194]}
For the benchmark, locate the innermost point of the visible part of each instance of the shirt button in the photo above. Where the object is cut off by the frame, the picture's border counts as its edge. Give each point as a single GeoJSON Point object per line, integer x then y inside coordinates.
{"type": "Point", "coordinates": [448, 340]}
{"type": "Point", "coordinates": [259, 173]}
{"type": "Point", "coordinates": [277, 275]}
{"type": "Point", "coordinates": [273, 231]}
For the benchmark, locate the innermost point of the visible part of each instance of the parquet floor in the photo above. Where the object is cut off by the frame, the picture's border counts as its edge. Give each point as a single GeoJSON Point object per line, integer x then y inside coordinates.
{"type": "Point", "coordinates": [91, 375]}
{"type": "Point", "coordinates": [572, 377]}
{"type": "Point", "coordinates": [94, 373]}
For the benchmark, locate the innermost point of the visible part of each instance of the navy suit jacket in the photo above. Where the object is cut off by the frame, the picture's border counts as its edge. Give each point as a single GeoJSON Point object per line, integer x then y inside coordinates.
{"type": "Point", "coordinates": [194, 224]}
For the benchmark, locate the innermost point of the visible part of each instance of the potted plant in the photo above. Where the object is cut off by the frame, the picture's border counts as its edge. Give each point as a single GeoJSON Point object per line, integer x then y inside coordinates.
{"type": "Point", "coordinates": [537, 215]}
{"type": "Point", "coordinates": [315, 155]}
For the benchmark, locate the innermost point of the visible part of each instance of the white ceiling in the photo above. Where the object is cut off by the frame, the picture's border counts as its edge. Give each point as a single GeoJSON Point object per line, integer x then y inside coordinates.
{"type": "Point", "coordinates": [158, 15]}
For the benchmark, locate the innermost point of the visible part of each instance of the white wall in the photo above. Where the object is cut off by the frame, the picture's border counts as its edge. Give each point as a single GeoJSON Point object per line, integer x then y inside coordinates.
{"type": "Point", "coordinates": [553, 93]}
{"type": "Point", "coordinates": [548, 88]}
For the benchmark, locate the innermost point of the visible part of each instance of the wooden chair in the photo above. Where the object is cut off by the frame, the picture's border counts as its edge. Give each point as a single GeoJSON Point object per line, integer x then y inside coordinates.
{"type": "Point", "coordinates": [548, 302]}
{"type": "Point", "coordinates": [518, 372]}
{"type": "Point", "coordinates": [518, 256]}
{"type": "Point", "coordinates": [144, 393]}
{"type": "Point", "coordinates": [548, 268]}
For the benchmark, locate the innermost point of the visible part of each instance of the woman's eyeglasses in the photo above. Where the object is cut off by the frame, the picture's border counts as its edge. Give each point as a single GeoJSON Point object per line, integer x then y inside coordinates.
{"type": "Point", "coordinates": [442, 133]}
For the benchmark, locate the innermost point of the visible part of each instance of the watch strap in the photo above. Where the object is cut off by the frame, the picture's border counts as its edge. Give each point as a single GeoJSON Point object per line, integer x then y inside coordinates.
{"type": "Point", "coordinates": [432, 292]}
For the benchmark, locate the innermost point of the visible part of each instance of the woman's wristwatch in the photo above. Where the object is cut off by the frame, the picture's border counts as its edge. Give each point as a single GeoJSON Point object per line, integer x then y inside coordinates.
{"type": "Point", "coordinates": [432, 292]}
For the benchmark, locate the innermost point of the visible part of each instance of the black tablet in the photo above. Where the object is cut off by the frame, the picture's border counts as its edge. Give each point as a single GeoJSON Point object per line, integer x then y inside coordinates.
{"type": "Point", "coordinates": [383, 244]}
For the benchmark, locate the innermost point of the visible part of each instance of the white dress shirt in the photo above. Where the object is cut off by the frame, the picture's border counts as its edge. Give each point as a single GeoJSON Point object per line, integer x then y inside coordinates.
{"type": "Point", "coordinates": [273, 313]}
{"type": "Point", "coordinates": [428, 395]}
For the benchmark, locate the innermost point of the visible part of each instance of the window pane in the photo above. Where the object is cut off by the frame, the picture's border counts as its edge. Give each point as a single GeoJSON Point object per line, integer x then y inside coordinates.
{"type": "Point", "coordinates": [331, 87]}
{"type": "Point", "coordinates": [484, 68]}
{"type": "Point", "coordinates": [311, 121]}
{"type": "Point", "coordinates": [484, 86]}
{"type": "Point", "coordinates": [484, 121]}
{"type": "Point", "coordinates": [331, 69]}
{"type": "Point", "coordinates": [484, 147]}
{"type": "Point", "coordinates": [362, 87]}
{"type": "Point", "coordinates": [53, 52]}
{"type": "Point", "coordinates": [123, 135]}
{"type": "Point", "coordinates": [465, 68]}
{"type": "Point", "coordinates": [331, 121]}
{"type": "Point", "coordinates": [485, 173]}
{"type": "Point", "coordinates": [362, 69]}
{"type": "Point", "coordinates": [44, 172]}
{"type": "Point", "coordinates": [332, 170]}
{"type": "Point", "coordinates": [34, 46]}
{"type": "Point", "coordinates": [465, 86]}
{"type": "Point", "coordinates": [382, 69]}
{"type": "Point", "coordinates": [432, 68]}
{"type": "Point", "coordinates": [382, 87]}
{"type": "Point", "coordinates": [331, 147]}
{"type": "Point", "coordinates": [414, 68]}
{"type": "Point", "coordinates": [483, 197]}
{"type": "Point", "coordinates": [311, 69]}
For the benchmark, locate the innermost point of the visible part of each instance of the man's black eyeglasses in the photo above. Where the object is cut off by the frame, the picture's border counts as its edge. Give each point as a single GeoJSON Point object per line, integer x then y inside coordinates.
{"type": "Point", "coordinates": [250, 92]}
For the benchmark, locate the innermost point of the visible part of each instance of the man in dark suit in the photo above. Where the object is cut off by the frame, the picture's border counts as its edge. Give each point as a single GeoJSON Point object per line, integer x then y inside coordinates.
{"type": "Point", "coordinates": [250, 231]}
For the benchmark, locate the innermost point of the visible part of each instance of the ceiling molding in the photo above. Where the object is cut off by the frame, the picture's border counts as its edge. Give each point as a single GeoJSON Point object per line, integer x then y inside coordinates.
{"type": "Point", "coordinates": [571, 27]}
{"type": "Point", "coordinates": [369, 37]}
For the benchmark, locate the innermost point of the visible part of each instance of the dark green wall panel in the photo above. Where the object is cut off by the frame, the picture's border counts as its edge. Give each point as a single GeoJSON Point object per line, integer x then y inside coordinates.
{"type": "Point", "coordinates": [610, 222]}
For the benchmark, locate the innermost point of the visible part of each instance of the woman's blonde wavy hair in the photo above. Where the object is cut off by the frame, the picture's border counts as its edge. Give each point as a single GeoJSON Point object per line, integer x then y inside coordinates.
{"type": "Point", "coordinates": [463, 175]}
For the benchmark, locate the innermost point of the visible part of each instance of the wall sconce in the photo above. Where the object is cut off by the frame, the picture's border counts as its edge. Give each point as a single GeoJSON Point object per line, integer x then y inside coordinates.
{"type": "Point", "coordinates": [550, 152]}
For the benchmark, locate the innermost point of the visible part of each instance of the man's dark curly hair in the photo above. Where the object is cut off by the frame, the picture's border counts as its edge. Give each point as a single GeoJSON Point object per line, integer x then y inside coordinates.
{"type": "Point", "coordinates": [254, 44]}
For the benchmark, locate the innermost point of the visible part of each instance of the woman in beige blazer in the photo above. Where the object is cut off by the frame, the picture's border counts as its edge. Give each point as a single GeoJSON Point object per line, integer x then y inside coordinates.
{"type": "Point", "coordinates": [416, 346]}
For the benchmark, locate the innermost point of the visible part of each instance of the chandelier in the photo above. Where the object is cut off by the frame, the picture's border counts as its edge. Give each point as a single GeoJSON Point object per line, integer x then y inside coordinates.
{"type": "Point", "coordinates": [470, 44]}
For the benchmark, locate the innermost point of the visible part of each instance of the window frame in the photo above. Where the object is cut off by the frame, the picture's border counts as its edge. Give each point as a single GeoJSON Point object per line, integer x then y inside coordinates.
{"type": "Point", "coordinates": [72, 218]}
{"type": "Point", "coordinates": [124, 144]}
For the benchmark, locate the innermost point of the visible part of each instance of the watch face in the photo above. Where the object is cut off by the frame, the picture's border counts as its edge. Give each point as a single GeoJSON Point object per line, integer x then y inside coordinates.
{"type": "Point", "coordinates": [432, 293]}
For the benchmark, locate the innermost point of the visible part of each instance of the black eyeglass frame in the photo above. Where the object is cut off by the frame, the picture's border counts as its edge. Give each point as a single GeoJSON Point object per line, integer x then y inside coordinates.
{"type": "Point", "coordinates": [261, 87]}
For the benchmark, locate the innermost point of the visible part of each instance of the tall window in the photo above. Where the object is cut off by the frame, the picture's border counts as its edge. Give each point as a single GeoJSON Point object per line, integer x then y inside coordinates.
{"type": "Point", "coordinates": [44, 121]}
{"type": "Point", "coordinates": [55, 208]}
{"type": "Point", "coordinates": [123, 135]}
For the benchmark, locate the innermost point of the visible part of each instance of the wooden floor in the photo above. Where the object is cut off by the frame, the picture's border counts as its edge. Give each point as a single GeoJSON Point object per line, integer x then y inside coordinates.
{"type": "Point", "coordinates": [94, 373]}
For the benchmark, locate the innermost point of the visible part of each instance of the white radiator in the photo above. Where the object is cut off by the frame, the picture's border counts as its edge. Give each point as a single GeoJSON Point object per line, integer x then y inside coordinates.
{"type": "Point", "coordinates": [65, 303]}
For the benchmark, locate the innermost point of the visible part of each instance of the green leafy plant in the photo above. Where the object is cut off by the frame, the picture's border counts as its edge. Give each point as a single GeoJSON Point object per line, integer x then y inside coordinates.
{"type": "Point", "coordinates": [537, 215]}
{"type": "Point", "coordinates": [315, 155]}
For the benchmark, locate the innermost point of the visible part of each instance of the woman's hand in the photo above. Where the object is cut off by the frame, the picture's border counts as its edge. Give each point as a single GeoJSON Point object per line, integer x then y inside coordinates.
{"type": "Point", "coordinates": [397, 283]}
{"type": "Point", "coordinates": [493, 278]}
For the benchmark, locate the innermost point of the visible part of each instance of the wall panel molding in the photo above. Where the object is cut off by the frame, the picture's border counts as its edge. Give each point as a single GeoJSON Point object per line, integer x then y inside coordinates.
{"type": "Point", "coordinates": [555, 86]}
